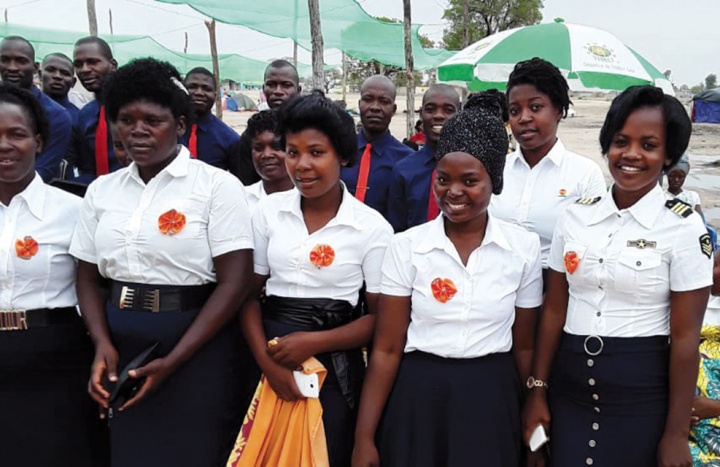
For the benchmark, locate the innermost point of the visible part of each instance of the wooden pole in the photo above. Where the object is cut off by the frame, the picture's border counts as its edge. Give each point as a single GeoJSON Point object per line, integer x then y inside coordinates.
{"type": "Point", "coordinates": [216, 67]}
{"type": "Point", "coordinates": [92, 17]}
{"type": "Point", "coordinates": [110, 16]}
{"type": "Point", "coordinates": [466, 30]}
{"type": "Point", "coordinates": [295, 54]}
{"type": "Point", "coordinates": [344, 77]}
{"type": "Point", "coordinates": [318, 76]}
{"type": "Point", "coordinates": [409, 68]}
{"type": "Point", "coordinates": [186, 43]}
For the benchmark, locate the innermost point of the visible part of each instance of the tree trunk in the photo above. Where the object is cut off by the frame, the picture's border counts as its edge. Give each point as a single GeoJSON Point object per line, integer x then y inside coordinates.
{"type": "Point", "coordinates": [318, 76]}
{"type": "Point", "coordinates": [344, 77]}
{"type": "Point", "coordinates": [92, 17]}
{"type": "Point", "coordinates": [110, 16]}
{"type": "Point", "coordinates": [216, 67]}
{"type": "Point", "coordinates": [409, 68]}
{"type": "Point", "coordinates": [466, 29]}
{"type": "Point", "coordinates": [186, 43]}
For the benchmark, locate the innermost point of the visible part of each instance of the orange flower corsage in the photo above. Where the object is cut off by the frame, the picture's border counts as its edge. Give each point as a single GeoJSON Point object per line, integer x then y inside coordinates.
{"type": "Point", "coordinates": [322, 256]}
{"type": "Point", "coordinates": [571, 261]}
{"type": "Point", "coordinates": [26, 248]}
{"type": "Point", "coordinates": [443, 289]}
{"type": "Point", "coordinates": [171, 222]}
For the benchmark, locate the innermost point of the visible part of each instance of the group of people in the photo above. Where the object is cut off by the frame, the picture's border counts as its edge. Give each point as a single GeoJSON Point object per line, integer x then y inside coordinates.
{"type": "Point", "coordinates": [309, 239]}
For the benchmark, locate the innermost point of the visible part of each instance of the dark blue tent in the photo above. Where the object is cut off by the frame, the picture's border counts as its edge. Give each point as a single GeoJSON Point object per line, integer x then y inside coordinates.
{"type": "Point", "coordinates": [706, 106]}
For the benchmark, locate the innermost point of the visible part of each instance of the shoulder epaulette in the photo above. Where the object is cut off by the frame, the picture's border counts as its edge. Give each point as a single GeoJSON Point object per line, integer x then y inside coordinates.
{"type": "Point", "coordinates": [678, 207]}
{"type": "Point", "coordinates": [588, 201]}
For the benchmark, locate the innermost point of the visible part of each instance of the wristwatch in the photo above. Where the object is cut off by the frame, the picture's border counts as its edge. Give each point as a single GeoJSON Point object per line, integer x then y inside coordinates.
{"type": "Point", "coordinates": [533, 383]}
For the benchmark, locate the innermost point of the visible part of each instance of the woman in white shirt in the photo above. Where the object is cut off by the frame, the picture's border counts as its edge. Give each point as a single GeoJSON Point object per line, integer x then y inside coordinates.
{"type": "Point", "coordinates": [541, 177]}
{"type": "Point", "coordinates": [172, 238]}
{"type": "Point", "coordinates": [630, 272]}
{"type": "Point", "coordinates": [314, 248]}
{"type": "Point", "coordinates": [45, 354]}
{"type": "Point", "coordinates": [676, 179]}
{"type": "Point", "coordinates": [455, 330]}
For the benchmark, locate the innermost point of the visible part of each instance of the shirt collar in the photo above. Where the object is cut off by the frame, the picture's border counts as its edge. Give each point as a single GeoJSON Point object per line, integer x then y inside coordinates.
{"type": "Point", "coordinates": [556, 154]}
{"type": "Point", "coordinates": [427, 154]}
{"type": "Point", "coordinates": [645, 211]}
{"type": "Point", "coordinates": [205, 121]}
{"type": "Point", "coordinates": [34, 196]}
{"type": "Point", "coordinates": [493, 234]}
{"type": "Point", "coordinates": [345, 215]}
{"type": "Point", "coordinates": [379, 145]}
{"type": "Point", "coordinates": [177, 168]}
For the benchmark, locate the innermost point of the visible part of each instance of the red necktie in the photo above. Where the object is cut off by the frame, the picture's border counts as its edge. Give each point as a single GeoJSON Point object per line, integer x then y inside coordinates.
{"type": "Point", "coordinates": [362, 183]}
{"type": "Point", "coordinates": [193, 141]}
{"type": "Point", "coordinates": [101, 145]}
{"type": "Point", "coordinates": [433, 209]}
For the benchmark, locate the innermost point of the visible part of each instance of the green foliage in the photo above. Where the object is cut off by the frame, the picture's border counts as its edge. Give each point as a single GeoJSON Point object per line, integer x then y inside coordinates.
{"type": "Point", "coordinates": [711, 81]}
{"type": "Point", "coordinates": [698, 88]}
{"type": "Point", "coordinates": [486, 17]}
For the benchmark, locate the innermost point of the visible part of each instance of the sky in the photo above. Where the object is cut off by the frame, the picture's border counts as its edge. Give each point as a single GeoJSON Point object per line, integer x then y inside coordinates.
{"type": "Point", "coordinates": [680, 36]}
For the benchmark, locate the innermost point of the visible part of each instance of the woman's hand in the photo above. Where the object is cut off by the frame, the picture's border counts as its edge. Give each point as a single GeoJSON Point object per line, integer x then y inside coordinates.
{"type": "Point", "coordinates": [104, 365]}
{"type": "Point", "coordinates": [282, 381]}
{"type": "Point", "coordinates": [365, 454]}
{"type": "Point", "coordinates": [674, 451]}
{"type": "Point", "coordinates": [704, 407]}
{"type": "Point", "coordinates": [535, 413]}
{"type": "Point", "coordinates": [292, 350]}
{"type": "Point", "coordinates": [154, 373]}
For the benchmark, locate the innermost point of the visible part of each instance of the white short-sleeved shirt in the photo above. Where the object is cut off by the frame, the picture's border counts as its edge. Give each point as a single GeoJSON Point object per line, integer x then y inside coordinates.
{"type": "Point", "coordinates": [535, 197]}
{"type": "Point", "coordinates": [118, 228]}
{"type": "Point", "coordinates": [503, 273]}
{"type": "Point", "coordinates": [253, 194]}
{"type": "Point", "coordinates": [358, 236]}
{"type": "Point", "coordinates": [47, 278]}
{"type": "Point", "coordinates": [629, 262]}
{"type": "Point", "coordinates": [687, 196]}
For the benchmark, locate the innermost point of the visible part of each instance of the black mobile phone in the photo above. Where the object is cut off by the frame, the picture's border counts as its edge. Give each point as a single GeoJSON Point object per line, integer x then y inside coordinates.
{"type": "Point", "coordinates": [126, 387]}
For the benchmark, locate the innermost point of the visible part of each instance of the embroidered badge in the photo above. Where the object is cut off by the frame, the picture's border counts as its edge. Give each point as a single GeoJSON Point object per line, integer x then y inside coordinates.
{"type": "Point", "coordinates": [322, 256]}
{"type": "Point", "coordinates": [443, 289]}
{"type": "Point", "coordinates": [171, 222]}
{"type": "Point", "coordinates": [706, 245]}
{"type": "Point", "coordinates": [679, 208]}
{"type": "Point", "coordinates": [562, 193]}
{"type": "Point", "coordinates": [26, 248]}
{"type": "Point", "coordinates": [571, 261]}
{"type": "Point", "coordinates": [641, 244]}
{"type": "Point", "coordinates": [588, 201]}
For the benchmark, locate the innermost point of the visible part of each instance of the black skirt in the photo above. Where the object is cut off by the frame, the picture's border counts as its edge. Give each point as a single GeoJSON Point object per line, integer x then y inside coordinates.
{"type": "Point", "coordinates": [609, 402]}
{"type": "Point", "coordinates": [48, 417]}
{"type": "Point", "coordinates": [452, 413]}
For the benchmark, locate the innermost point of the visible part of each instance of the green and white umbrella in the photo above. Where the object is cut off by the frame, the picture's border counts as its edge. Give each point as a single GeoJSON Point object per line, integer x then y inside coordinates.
{"type": "Point", "coordinates": [590, 59]}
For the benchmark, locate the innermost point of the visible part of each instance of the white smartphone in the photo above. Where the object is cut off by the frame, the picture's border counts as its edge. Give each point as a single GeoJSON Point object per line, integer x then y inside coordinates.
{"type": "Point", "coordinates": [308, 385]}
{"type": "Point", "coordinates": [538, 438]}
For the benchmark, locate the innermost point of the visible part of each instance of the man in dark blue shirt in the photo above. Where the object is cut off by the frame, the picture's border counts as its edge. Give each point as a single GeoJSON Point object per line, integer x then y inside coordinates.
{"type": "Point", "coordinates": [411, 187]}
{"type": "Point", "coordinates": [93, 61]}
{"type": "Point", "coordinates": [17, 68]}
{"type": "Point", "coordinates": [209, 139]}
{"type": "Point", "coordinates": [378, 151]}
{"type": "Point", "coordinates": [57, 76]}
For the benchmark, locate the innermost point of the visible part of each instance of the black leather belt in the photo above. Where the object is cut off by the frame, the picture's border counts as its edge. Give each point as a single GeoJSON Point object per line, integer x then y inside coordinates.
{"type": "Point", "coordinates": [159, 298]}
{"type": "Point", "coordinates": [20, 320]}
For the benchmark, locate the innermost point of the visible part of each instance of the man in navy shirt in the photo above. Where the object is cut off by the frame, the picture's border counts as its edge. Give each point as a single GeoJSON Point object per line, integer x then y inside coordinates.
{"type": "Point", "coordinates": [57, 76]}
{"type": "Point", "coordinates": [17, 68]}
{"type": "Point", "coordinates": [209, 139]}
{"type": "Point", "coordinates": [280, 83]}
{"type": "Point", "coordinates": [410, 201]}
{"type": "Point", "coordinates": [93, 61]}
{"type": "Point", "coordinates": [378, 151]}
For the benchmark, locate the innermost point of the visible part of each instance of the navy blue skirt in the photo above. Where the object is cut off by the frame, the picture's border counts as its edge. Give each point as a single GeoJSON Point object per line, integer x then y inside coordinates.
{"type": "Point", "coordinates": [194, 417]}
{"type": "Point", "coordinates": [452, 413]}
{"type": "Point", "coordinates": [609, 401]}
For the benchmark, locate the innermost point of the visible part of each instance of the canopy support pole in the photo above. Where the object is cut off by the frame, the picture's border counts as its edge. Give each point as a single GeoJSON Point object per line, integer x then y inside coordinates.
{"type": "Point", "coordinates": [216, 67]}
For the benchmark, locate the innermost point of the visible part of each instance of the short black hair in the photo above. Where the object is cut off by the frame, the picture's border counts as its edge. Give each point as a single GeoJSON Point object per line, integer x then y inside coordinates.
{"type": "Point", "coordinates": [200, 70]}
{"type": "Point", "coordinates": [104, 47]}
{"type": "Point", "coordinates": [59, 55]}
{"type": "Point", "coordinates": [19, 39]}
{"type": "Point", "coordinates": [317, 112]}
{"type": "Point", "coordinates": [30, 105]}
{"type": "Point", "coordinates": [546, 77]}
{"type": "Point", "coordinates": [267, 120]}
{"type": "Point", "coordinates": [678, 127]}
{"type": "Point", "coordinates": [149, 79]}
{"type": "Point", "coordinates": [283, 64]}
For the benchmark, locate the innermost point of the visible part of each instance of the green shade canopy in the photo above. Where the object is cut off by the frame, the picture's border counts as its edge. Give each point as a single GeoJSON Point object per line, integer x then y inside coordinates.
{"type": "Point", "coordinates": [591, 59]}
{"type": "Point", "coordinates": [345, 26]}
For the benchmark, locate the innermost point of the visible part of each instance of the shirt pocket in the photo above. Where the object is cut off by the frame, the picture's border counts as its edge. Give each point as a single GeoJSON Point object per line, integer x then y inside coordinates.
{"type": "Point", "coordinates": [195, 212]}
{"type": "Point", "coordinates": [638, 271]}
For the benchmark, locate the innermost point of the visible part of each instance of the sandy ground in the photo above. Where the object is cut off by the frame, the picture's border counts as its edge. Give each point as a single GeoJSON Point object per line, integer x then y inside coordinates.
{"type": "Point", "coordinates": [580, 134]}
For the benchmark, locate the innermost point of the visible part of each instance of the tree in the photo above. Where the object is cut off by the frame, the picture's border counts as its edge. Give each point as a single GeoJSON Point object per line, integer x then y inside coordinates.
{"type": "Point", "coordinates": [409, 66]}
{"type": "Point", "coordinates": [486, 17]}
{"type": "Point", "coordinates": [711, 81]}
{"type": "Point", "coordinates": [318, 76]}
{"type": "Point", "coordinates": [92, 17]}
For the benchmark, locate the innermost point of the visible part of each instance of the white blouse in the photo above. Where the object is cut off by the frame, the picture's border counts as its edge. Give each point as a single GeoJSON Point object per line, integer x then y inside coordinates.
{"type": "Point", "coordinates": [503, 273]}
{"type": "Point", "coordinates": [626, 262]}
{"type": "Point", "coordinates": [42, 276]}
{"type": "Point", "coordinates": [332, 262]}
{"type": "Point", "coordinates": [123, 226]}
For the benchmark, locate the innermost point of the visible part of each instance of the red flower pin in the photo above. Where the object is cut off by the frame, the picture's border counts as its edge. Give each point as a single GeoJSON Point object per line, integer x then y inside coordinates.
{"type": "Point", "coordinates": [26, 248]}
{"type": "Point", "coordinates": [571, 261]}
{"type": "Point", "coordinates": [443, 289]}
{"type": "Point", "coordinates": [322, 256]}
{"type": "Point", "coordinates": [171, 222]}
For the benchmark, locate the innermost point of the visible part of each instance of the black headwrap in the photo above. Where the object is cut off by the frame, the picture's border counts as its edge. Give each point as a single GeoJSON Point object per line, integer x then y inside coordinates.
{"type": "Point", "coordinates": [477, 130]}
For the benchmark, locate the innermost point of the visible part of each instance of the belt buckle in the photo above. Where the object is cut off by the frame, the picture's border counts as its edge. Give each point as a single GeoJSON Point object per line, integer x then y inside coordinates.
{"type": "Point", "coordinates": [599, 351]}
{"type": "Point", "coordinates": [13, 320]}
{"type": "Point", "coordinates": [151, 301]}
{"type": "Point", "coordinates": [127, 295]}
